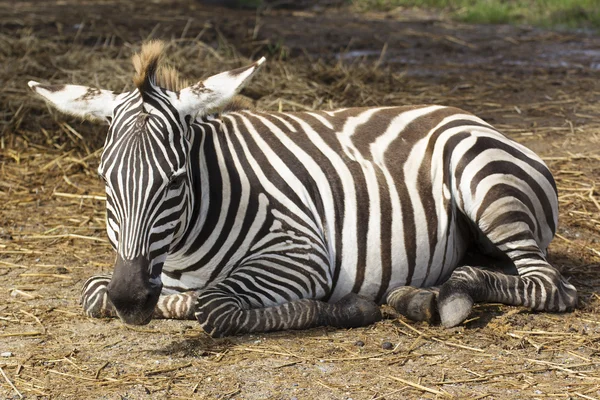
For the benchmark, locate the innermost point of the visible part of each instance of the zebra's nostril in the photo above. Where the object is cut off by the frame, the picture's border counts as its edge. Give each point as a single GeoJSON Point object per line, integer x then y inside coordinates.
{"type": "Point", "coordinates": [149, 299]}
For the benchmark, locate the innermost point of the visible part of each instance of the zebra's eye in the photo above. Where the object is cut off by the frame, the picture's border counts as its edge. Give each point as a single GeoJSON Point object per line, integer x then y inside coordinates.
{"type": "Point", "coordinates": [176, 181]}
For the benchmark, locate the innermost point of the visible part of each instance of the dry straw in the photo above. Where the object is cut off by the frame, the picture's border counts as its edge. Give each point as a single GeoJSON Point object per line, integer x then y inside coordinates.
{"type": "Point", "coordinates": [52, 238]}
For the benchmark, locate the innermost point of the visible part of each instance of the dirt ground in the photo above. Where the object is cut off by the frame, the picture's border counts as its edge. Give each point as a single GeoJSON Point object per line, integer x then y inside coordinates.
{"type": "Point", "coordinates": [542, 88]}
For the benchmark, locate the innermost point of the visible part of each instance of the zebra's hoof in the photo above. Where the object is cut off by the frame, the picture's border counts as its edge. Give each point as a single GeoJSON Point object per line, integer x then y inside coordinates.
{"type": "Point", "coordinates": [570, 298]}
{"type": "Point", "coordinates": [454, 308]}
{"type": "Point", "coordinates": [357, 311]}
{"type": "Point", "coordinates": [414, 303]}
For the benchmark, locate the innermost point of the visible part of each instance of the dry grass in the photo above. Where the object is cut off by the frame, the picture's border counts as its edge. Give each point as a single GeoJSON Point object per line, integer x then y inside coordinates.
{"type": "Point", "coordinates": [52, 238]}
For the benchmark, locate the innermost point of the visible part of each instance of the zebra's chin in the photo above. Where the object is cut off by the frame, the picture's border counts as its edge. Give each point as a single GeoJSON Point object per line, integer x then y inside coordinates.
{"type": "Point", "coordinates": [137, 313]}
{"type": "Point", "coordinates": [136, 319]}
{"type": "Point", "coordinates": [139, 309]}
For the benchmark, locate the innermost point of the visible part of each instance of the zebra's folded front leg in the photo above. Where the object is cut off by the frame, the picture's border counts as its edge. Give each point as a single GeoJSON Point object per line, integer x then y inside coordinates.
{"type": "Point", "coordinates": [176, 306]}
{"type": "Point", "coordinates": [94, 298]}
{"type": "Point", "coordinates": [222, 314]}
{"type": "Point", "coordinates": [96, 304]}
{"type": "Point", "coordinates": [540, 287]}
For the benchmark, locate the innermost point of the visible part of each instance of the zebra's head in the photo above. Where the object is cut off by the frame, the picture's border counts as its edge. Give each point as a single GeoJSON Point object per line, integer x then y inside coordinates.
{"type": "Point", "coordinates": [145, 166]}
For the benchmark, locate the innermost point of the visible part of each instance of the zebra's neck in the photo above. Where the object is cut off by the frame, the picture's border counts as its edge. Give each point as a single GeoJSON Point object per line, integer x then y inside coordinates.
{"type": "Point", "coordinates": [218, 196]}
{"type": "Point", "coordinates": [198, 194]}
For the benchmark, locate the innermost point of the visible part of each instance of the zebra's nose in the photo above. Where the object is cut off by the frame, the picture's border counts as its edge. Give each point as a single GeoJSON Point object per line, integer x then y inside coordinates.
{"type": "Point", "coordinates": [131, 292]}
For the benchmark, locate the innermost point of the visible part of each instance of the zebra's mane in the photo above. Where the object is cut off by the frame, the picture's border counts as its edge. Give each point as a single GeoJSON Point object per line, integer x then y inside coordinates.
{"type": "Point", "coordinates": [148, 69]}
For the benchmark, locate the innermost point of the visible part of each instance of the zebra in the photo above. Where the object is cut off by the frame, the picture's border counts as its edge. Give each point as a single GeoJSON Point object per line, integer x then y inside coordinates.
{"type": "Point", "coordinates": [253, 221]}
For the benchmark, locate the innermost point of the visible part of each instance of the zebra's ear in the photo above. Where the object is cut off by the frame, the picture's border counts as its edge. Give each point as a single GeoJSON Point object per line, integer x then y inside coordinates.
{"type": "Point", "coordinates": [81, 101]}
{"type": "Point", "coordinates": [215, 92]}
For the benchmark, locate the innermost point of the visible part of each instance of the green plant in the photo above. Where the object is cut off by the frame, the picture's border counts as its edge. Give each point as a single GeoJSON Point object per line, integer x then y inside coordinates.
{"type": "Point", "coordinates": [547, 13]}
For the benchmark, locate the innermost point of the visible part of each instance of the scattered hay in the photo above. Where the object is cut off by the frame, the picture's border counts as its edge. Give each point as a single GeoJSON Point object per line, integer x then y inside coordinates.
{"type": "Point", "coordinates": [52, 237]}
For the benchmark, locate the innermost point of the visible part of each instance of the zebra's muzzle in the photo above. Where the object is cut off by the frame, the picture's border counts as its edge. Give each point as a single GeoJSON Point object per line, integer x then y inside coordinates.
{"type": "Point", "coordinates": [132, 291]}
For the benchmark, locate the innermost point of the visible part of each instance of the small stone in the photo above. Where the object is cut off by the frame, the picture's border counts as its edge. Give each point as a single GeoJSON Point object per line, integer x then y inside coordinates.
{"type": "Point", "coordinates": [6, 354]}
{"type": "Point", "coordinates": [387, 345]}
{"type": "Point", "coordinates": [359, 343]}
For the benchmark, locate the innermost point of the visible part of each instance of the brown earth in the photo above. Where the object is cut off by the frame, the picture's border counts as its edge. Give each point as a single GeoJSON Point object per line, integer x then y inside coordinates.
{"type": "Point", "coordinates": [540, 87]}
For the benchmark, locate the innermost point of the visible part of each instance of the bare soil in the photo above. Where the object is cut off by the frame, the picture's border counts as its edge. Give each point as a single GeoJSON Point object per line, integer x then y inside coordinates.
{"type": "Point", "coordinates": [540, 87]}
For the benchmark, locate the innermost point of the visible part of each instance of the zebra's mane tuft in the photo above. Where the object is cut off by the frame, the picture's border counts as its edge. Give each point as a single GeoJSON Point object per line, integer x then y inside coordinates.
{"type": "Point", "coordinates": [149, 71]}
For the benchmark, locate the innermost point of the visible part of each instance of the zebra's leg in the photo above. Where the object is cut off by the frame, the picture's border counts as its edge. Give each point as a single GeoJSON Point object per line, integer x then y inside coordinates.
{"type": "Point", "coordinates": [96, 304]}
{"type": "Point", "coordinates": [538, 286]}
{"type": "Point", "coordinates": [176, 306]}
{"type": "Point", "coordinates": [94, 298]}
{"type": "Point", "coordinates": [420, 304]}
{"type": "Point", "coordinates": [417, 304]}
{"type": "Point", "coordinates": [514, 230]}
{"type": "Point", "coordinates": [222, 313]}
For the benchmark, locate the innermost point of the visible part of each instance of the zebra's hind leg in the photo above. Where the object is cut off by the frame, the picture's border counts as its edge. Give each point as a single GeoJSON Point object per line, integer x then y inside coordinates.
{"type": "Point", "coordinates": [508, 199]}
{"type": "Point", "coordinates": [541, 288]}
{"type": "Point", "coordinates": [417, 304]}
{"type": "Point", "coordinates": [221, 313]}
{"type": "Point", "coordinates": [538, 286]}
{"type": "Point", "coordinates": [509, 230]}
{"type": "Point", "coordinates": [96, 304]}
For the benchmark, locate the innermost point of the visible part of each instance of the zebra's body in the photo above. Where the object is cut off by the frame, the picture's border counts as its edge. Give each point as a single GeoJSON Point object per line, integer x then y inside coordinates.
{"type": "Point", "coordinates": [252, 221]}
{"type": "Point", "coordinates": [309, 186]}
